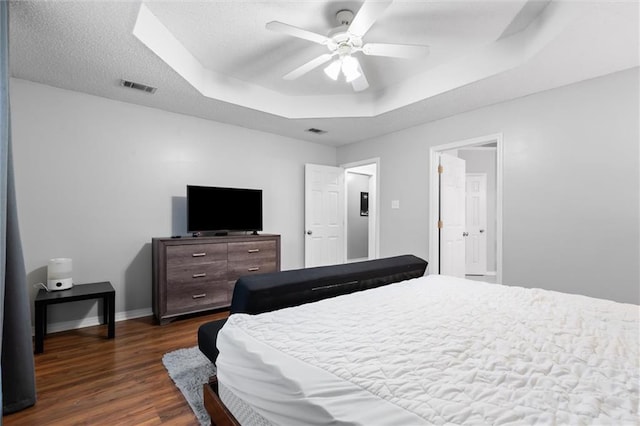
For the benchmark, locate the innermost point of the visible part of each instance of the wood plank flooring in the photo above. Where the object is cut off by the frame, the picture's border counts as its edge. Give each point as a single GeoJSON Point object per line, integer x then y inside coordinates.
{"type": "Point", "coordinates": [83, 378]}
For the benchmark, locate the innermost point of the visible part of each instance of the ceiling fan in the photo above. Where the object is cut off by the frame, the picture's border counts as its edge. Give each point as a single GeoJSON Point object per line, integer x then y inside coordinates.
{"type": "Point", "coordinates": [345, 41]}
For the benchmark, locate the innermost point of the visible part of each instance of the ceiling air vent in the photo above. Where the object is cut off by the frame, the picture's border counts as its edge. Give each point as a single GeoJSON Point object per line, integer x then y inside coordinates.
{"type": "Point", "coordinates": [138, 86]}
{"type": "Point", "coordinates": [316, 131]}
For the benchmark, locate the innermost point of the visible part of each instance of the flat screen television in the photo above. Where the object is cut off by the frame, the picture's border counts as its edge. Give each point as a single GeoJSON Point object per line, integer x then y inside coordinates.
{"type": "Point", "coordinates": [220, 210]}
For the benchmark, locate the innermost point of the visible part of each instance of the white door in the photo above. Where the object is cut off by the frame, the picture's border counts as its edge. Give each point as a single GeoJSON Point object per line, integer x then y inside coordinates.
{"type": "Point", "coordinates": [324, 215]}
{"type": "Point", "coordinates": [476, 241]}
{"type": "Point", "coordinates": [452, 216]}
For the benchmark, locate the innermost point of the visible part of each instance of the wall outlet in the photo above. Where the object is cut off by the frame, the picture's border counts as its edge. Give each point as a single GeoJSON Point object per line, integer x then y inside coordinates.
{"type": "Point", "coordinates": [395, 204]}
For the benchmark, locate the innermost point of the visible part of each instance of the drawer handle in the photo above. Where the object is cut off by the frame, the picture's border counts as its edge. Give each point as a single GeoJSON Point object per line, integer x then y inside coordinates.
{"type": "Point", "coordinates": [255, 268]}
{"type": "Point", "coordinates": [199, 254]}
{"type": "Point", "coordinates": [253, 250]}
{"type": "Point", "coordinates": [198, 296]}
{"type": "Point", "coordinates": [203, 274]}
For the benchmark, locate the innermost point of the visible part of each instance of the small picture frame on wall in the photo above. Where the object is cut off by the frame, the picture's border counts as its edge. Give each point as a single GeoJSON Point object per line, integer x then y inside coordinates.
{"type": "Point", "coordinates": [364, 204]}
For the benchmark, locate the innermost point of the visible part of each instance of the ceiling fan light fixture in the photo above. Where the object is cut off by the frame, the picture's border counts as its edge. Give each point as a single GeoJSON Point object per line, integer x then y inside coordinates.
{"type": "Point", "coordinates": [347, 40]}
{"type": "Point", "coordinates": [333, 70]}
{"type": "Point", "coordinates": [351, 76]}
{"type": "Point", "coordinates": [350, 68]}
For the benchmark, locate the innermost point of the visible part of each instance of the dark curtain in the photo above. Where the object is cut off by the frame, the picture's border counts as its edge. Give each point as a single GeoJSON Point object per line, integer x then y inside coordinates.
{"type": "Point", "coordinates": [17, 367]}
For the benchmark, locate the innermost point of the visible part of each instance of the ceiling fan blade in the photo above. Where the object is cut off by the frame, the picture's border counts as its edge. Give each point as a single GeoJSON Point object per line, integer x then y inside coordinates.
{"type": "Point", "coordinates": [367, 15]}
{"type": "Point", "coordinates": [406, 51]}
{"type": "Point", "coordinates": [296, 32]}
{"type": "Point", "coordinates": [360, 83]}
{"type": "Point", "coordinates": [303, 69]}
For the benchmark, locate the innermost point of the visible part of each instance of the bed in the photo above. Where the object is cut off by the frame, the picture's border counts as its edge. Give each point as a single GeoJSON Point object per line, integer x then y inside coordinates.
{"type": "Point", "coordinates": [434, 350]}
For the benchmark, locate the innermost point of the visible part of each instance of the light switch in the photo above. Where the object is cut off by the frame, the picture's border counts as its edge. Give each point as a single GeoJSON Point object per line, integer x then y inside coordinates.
{"type": "Point", "coordinates": [395, 204]}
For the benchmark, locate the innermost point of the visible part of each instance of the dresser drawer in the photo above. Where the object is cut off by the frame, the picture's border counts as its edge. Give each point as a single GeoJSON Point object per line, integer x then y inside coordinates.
{"type": "Point", "coordinates": [197, 296]}
{"type": "Point", "coordinates": [251, 250]}
{"type": "Point", "coordinates": [207, 272]}
{"type": "Point", "coordinates": [254, 266]}
{"type": "Point", "coordinates": [194, 254]}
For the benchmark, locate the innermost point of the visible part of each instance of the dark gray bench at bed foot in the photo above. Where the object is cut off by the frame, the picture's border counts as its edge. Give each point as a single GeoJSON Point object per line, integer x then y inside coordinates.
{"type": "Point", "coordinates": [255, 294]}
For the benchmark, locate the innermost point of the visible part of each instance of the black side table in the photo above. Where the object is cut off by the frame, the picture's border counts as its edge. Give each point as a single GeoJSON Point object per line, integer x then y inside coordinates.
{"type": "Point", "coordinates": [103, 290]}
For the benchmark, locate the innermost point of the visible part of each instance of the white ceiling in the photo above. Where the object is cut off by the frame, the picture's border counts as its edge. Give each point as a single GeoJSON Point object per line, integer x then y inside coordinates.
{"type": "Point", "coordinates": [482, 52]}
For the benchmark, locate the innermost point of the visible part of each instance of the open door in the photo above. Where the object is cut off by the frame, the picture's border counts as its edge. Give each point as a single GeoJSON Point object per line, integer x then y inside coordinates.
{"type": "Point", "coordinates": [324, 215]}
{"type": "Point", "coordinates": [452, 216]}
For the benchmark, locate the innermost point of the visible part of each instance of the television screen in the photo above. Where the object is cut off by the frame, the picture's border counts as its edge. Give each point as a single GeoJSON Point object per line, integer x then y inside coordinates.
{"type": "Point", "coordinates": [223, 209]}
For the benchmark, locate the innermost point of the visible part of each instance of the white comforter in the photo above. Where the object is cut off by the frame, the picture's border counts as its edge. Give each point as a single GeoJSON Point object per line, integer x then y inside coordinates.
{"type": "Point", "coordinates": [438, 350]}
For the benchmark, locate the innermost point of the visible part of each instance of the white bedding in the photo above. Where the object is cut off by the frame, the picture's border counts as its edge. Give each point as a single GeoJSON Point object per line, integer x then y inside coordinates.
{"type": "Point", "coordinates": [438, 350]}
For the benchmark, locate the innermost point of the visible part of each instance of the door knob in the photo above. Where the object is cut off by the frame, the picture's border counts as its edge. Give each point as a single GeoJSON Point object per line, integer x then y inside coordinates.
{"type": "Point", "coordinates": [465, 234]}
{"type": "Point", "coordinates": [481, 231]}
{"type": "Point", "coordinates": [309, 232]}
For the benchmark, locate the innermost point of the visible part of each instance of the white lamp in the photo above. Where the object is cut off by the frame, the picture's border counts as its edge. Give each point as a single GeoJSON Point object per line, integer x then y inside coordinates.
{"type": "Point", "coordinates": [350, 68]}
{"type": "Point", "coordinates": [59, 274]}
{"type": "Point", "coordinates": [348, 65]}
{"type": "Point", "coordinates": [333, 69]}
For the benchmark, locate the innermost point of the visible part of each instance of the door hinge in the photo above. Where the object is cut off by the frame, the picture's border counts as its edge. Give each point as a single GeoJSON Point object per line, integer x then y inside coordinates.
{"type": "Point", "coordinates": [440, 225]}
{"type": "Point", "coordinates": [440, 168]}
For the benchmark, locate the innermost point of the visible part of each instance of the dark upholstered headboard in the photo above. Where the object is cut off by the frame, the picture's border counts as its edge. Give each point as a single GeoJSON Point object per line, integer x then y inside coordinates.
{"type": "Point", "coordinates": [254, 294]}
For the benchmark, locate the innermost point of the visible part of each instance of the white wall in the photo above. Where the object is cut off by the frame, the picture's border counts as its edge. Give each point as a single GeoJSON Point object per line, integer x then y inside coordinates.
{"type": "Point", "coordinates": [97, 179]}
{"type": "Point", "coordinates": [571, 185]}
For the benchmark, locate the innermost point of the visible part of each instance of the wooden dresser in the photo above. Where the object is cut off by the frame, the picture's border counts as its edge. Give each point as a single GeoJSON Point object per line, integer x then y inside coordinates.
{"type": "Point", "coordinates": [198, 274]}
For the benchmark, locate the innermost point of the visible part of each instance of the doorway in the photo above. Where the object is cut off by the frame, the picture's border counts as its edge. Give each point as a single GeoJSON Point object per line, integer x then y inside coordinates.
{"type": "Point", "coordinates": [361, 216]}
{"type": "Point", "coordinates": [327, 224]}
{"type": "Point", "coordinates": [476, 153]}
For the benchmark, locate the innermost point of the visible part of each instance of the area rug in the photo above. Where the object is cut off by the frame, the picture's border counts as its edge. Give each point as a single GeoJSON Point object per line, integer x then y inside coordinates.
{"type": "Point", "coordinates": [190, 369]}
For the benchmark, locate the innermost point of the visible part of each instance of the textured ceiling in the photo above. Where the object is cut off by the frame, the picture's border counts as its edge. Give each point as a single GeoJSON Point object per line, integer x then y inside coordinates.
{"type": "Point", "coordinates": [481, 53]}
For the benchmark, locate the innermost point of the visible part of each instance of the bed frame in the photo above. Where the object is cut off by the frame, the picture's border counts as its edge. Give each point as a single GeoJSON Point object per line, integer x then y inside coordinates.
{"type": "Point", "coordinates": [220, 415]}
{"type": "Point", "coordinates": [256, 294]}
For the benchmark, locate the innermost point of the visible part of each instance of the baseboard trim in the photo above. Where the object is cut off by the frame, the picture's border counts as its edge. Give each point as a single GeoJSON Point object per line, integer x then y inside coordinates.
{"type": "Point", "coordinates": [490, 273]}
{"type": "Point", "coordinates": [93, 321]}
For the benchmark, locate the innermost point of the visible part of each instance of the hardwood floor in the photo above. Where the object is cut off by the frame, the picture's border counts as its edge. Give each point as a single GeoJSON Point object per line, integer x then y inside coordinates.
{"type": "Point", "coordinates": [83, 378]}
